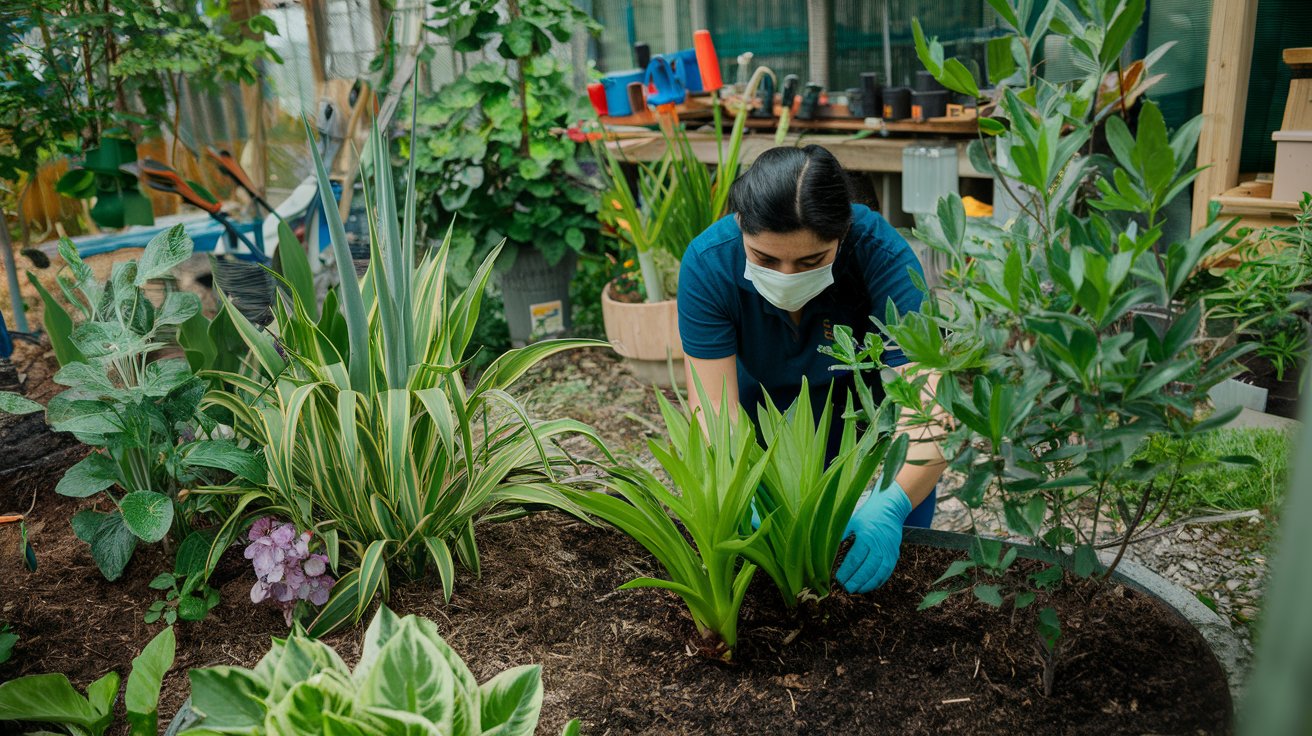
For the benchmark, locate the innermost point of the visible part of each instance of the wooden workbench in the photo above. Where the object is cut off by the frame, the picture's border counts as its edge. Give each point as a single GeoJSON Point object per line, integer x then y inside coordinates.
{"type": "Point", "coordinates": [872, 154]}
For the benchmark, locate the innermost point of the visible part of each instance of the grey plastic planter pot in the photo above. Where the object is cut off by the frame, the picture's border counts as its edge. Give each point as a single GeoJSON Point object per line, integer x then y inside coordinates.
{"type": "Point", "coordinates": [536, 296]}
{"type": "Point", "coordinates": [1220, 637]}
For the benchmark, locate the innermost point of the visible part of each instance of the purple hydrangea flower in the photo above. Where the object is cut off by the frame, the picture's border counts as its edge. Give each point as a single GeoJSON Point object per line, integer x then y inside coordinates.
{"type": "Point", "coordinates": [285, 570]}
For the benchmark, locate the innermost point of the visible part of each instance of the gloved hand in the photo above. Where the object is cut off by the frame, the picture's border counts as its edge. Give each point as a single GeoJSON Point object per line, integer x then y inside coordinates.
{"type": "Point", "coordinates": [877, 526]}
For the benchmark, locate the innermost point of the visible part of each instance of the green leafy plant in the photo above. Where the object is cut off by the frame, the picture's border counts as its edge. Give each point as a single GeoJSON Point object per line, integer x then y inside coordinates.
{"type": "Point", "coordinates": [7, 641]}
{"type": "Point", "coordinates": [84, 68]}
{"type": "Point", "coordinates": [373, 440]}
{"type": "Point", "coordinates": [678, 196]}
{"type": "Point", "coordinates": [188, 597]}
{"type": "Point", "coordinates": [803, 502]}
{"type": "Point", "coordinates": [1065, 340]}
{"type": "Point", "coordinates": [488, 144]}
{"type": "Point", "coordinates": [716, 472]}
{"type": "Point", "coordinates": [141, 414]}
{"type": "Point", "coordinates": [408, 680]}
{"type": "Point", "coordinates": [52, 699]}
{"type": "Point", "coordinates": [1264, 297]}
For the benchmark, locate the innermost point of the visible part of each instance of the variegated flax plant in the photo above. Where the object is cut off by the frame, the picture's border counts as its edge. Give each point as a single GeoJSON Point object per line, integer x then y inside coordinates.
{"type": "Point", "coordinates": [372, 437]}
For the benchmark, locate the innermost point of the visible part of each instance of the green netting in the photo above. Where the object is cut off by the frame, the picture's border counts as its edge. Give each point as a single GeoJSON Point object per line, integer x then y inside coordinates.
{"type": "Point", "coordinates": [626, 22]}
{"type": "Point", "coordinates": [775, 31]}
{"type": "Point", "coordinates": [962, 28]}
{"type": "Point", "coordinates": [1281, 24]}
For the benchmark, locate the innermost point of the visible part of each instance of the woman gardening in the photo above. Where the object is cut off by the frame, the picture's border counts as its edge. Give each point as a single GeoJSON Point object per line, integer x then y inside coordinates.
{"type": "Point", "coordinates": [760, 292]}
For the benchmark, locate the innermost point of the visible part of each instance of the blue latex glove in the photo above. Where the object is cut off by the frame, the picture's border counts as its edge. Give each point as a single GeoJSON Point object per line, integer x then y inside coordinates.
{"type": "Point", "coordinates": [877, 526]}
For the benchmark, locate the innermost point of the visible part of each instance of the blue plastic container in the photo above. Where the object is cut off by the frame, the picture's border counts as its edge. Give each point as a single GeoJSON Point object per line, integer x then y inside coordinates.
{"type": "Point", "coordinates": [685, 64]}
{"type": "Point", "coordinates": [617, 91]}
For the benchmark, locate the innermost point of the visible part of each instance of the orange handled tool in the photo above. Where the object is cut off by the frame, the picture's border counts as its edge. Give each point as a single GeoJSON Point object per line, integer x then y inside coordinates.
{"type": "Point", "coordinates": [228, 165]}
{"type": "Point", "coordinates": [160, 176]}
{"type": "Point", "coordinates": [708, 64]}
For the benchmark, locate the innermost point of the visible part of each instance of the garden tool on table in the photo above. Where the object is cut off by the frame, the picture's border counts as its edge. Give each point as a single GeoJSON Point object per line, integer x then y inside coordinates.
{"type": "Point", "coordinates": [163, 178]}
{"type": "Point", "coordinates": [708, 66]}
{"type": "Point", "coordinates": [670, 91]}
{"type": "Point", "coordinates": [229, 166]}
{"type": "Point", "coordinates": [245, 282]}
{"type": "Point", "coordinates": [744, 71]}
{"type": "Point", "coordinates": [791, 83]}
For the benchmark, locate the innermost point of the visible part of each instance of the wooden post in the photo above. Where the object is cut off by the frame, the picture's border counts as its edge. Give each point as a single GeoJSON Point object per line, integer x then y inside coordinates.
{"type": "Point", "coordinates": [1298, 108]}
{"type": "Point", "coordinates": [1225, 94]}
{"type": "Point", "coordinates": [820, 40]}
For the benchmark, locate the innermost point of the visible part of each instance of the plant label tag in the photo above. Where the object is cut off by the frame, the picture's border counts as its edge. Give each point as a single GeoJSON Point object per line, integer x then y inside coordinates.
{"type": "Point", "coordinates": [547, 318]}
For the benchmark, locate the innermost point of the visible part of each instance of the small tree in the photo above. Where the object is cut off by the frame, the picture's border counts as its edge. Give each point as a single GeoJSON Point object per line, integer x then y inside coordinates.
{"type": "Point", "coordinates": [1066, 338]}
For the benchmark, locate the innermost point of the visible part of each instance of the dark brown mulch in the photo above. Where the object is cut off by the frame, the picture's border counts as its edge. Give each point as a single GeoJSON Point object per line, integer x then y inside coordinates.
{"type": "Point", "coordinates": [29, 451]}
{"type": "Point", "coordinates": [620, 661]}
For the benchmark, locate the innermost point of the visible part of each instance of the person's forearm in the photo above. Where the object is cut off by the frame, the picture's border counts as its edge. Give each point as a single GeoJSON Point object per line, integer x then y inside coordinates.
{"type": "Point", "coordinates": [921, 472]}
{"type": "Point", "coordinates": [925, 463]}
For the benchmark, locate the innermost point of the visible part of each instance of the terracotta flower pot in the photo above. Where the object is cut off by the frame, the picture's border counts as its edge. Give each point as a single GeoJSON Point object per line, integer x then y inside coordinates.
{"type": "Point", "coordinates": [647, 335]}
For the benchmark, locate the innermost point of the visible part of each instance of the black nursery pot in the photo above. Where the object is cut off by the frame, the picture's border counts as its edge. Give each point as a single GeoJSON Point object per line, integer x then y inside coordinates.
{"type": "Point", "coordinates": [926, 105]}
{"type": "Point", "coordinates": [1282, 394]}
{"type": "Point", "coordinates": [897, 103]}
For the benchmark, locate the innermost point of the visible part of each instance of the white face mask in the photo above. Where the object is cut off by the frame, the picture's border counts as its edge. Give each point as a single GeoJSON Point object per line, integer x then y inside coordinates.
{"type": "Point", "coordinates": [789, 291]}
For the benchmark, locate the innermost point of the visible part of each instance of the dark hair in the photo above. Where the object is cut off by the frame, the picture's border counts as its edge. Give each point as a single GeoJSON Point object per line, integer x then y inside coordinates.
{"type": "Point", "coordinates": [790, 189]}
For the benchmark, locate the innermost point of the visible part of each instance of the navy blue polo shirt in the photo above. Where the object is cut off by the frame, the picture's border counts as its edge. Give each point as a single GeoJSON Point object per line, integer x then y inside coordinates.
{"type": "Point", "coordinates": [721, 313]}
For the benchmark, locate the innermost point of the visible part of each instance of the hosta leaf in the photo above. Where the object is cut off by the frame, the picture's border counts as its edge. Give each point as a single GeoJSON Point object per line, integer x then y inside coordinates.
{"type": "Point", "coordinates": [163, 376]}
{"type": "Point", "coordinates": [86, 523]}
{"type": "Point", "coordinates": [12, 403]}
{"type": "Point", "coordinates": [84, 376]}
{"type": "Point", "coordinates": [112, 544]}
{"type": "Point", "coordinates": [91, 475]}
{"type": "Point", "coordinates": [511, 702]}
{"type": "Point", "coordinates": [193, 552]}
{"type": "Point", "coordinates": [102, 693]}
{"type": "Point", "coordinates": [142, 694]}
{"type": "Point", "coordinates": [179, 306]}
{"type": "Point", "coordinates": [164, 251]}
{"type": "Point", "coordinates": [147, 514]}
{"type": "Point", "coordinates": [192, 608]}
{"type": "Point", "coordinates": [411, 675]}
{"type": "Point", "coordinates": [228, 699]}
{"type": "Point", "coordinates": [48, 699]}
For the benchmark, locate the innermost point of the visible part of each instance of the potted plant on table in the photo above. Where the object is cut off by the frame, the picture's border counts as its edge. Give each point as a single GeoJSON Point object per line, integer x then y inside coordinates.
{"type": "Point", "coordinates": [677, 197]}
{"type": "Point", "coordinates": [491, 154]}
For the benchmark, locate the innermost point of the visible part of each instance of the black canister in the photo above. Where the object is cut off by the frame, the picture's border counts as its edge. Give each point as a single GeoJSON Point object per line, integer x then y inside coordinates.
{"type": "Point", "coordinates": [925, 82]}
{"type": "Point", "coordinates": [897, 103]}
{"type": "Point", "coordinates": [810, 104]}
{"type": "Point", "coordinates": [926, 105]}
{"type": "Point", "coordinates": [765, 98]}
{"type": "Point", "coordinates": [856, 103]}
{"type": "Point", "coordinates": [872, 98]}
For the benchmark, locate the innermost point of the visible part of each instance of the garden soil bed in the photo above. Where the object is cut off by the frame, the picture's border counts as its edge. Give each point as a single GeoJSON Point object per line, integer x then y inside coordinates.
{"type": "Point", "coordinates": [621, 661]}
